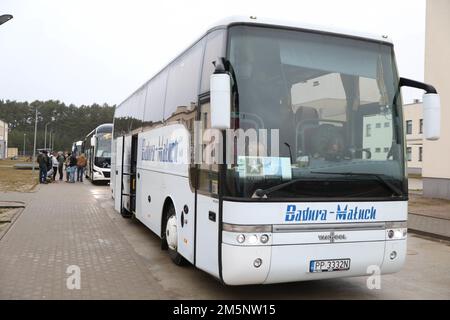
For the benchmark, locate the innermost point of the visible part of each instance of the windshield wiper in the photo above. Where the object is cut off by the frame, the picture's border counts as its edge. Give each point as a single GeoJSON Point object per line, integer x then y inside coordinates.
{"type": "Point", "coordinates": [261, 193]}
{"type": "Point", "coordinates": [380, 177]}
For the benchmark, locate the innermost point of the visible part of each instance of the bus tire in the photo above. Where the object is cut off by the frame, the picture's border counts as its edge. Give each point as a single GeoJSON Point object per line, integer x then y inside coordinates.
{"type": "Point", "coordinates": [170, 236]}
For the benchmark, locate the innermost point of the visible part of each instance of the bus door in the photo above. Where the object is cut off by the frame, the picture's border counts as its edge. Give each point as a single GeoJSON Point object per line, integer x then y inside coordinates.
{"type": "Point", "coordinates": [126, 178]}
{"type": "Point", "coordinates": [207, 215]}
{"type": "Point", "coordinates": [90, 164]}
{"type": "Point", "coordinates": [123, 175]}
{"type": "Point", "coordinates": [118, 174]}
{"type": "Point", "coordinates": [133, 172]}
{"type": "Point", "coordinates": [93, 151]}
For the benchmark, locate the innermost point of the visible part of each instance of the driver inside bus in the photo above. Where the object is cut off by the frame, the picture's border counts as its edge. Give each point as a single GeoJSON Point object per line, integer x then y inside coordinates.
{"type": "Point", "coordinates": [263, 90]}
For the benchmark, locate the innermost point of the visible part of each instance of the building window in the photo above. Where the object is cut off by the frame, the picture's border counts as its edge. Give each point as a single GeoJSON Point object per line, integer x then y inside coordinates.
{"type": "Point", "coordinates": [378, 125]}
{"type": "Point", "coordinates": [421, 126]}
{"type": "Point", "coordinates": [409, 127]}
{"type": "Point", "coordinates": [408, 153]}
{"type": "Point", "coordinates": [386, 150]}
{"type": "Point", "coordinates": [377, 150]}
{"type": "Point", "coordinates": [368, 130]}
{"type": "Point", "coordinates": [420, 153]}
{"type": "Point", "coordinates": [387, 124]}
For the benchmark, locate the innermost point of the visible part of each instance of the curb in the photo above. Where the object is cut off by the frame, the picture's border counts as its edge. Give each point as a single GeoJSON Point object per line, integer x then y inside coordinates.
{"type": "Point", "coordinates": [13, 220]}
{"type": "Point", "coordinates": [432, 226]}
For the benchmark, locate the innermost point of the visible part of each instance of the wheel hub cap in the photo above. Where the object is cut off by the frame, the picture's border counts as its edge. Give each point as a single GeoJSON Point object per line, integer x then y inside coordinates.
{"type": "Point", "coordinates": [171, 233]}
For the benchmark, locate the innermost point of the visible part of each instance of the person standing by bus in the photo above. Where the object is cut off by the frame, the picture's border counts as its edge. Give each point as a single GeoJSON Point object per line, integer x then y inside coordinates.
{"type": "Point", "coordinates": [42, 160]}
{"type": "Point", "coordinates": [67, 164]}
{"type": "Point", "coordinates": [71, 167]}
{"type": "Point", "coordinates": [81, 164]}
{"type": "Point", "coordinates": [61, 160]}
{"type": "Point", "coordinates": [54, 165]}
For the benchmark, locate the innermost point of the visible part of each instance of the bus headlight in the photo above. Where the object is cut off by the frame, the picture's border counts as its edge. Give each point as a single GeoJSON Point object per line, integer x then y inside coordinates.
{"type": "Point", "coordinates": [396, 230]}
{"type": "Point", "coordinates": [264, 238]}
{"type": "Point", "coordinates": [253, 239]}
{"type": "Point", "coordinates": [252, 235]}
{"type": "Point", "coordinates": [240, 238]}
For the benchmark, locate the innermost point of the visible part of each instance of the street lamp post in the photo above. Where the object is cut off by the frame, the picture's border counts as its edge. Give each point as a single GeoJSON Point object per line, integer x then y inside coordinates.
{"type": "Point", "coordinates": [34, 145]}
{"type": "Point", "coordinates": [53, 140]}
{"type": "Point", "coordinates": [24, 136]}
{"type": "Point", "coordinates": [45, 135]}
{"type": "Point", "coordinates": [50, 143]}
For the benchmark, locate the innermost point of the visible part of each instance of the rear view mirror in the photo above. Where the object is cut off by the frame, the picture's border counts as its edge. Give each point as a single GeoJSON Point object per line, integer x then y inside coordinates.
{"type": "Point", "coordinates": [431, 108]}
{"type": "Point", "coordinates": [93, 141]}
{"type": "Point", "coordinates": [220, 100]}
{"type": "Point", "coordinates": [431, 116]}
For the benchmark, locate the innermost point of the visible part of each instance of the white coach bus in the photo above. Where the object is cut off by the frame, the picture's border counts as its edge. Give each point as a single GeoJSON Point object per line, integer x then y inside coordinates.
{"type": "Point", "coordinates": [329, 200]}
{"type": "Point", "coordinates": [97, 148]}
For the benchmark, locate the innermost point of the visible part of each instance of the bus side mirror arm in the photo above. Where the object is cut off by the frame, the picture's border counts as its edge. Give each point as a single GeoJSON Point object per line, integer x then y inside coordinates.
{"type": "Point", "coordinates": [431, 108]}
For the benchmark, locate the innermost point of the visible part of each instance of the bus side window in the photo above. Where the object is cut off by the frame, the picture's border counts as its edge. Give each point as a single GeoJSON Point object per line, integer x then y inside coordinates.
{"type": "Point", "coordinates": [183, 83]}
{"type": "Point", "coordinates": [208, 170]}
{"type": "Point", "coordinates": [215, 47]}
{"type": "Point", "coordinates": [208, 173]}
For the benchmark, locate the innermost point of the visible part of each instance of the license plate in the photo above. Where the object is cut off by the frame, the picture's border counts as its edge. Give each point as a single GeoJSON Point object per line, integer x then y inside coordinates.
{"type": "Point", "coordinates": [329, 265]}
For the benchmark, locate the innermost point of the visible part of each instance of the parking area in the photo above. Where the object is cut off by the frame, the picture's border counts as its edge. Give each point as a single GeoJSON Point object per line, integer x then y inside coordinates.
{"type": "Point", "coordinates": [67, 225]}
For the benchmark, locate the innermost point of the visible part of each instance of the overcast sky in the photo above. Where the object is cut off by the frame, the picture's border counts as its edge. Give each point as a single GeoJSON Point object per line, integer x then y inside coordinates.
{"type": "Point", "coordinates": [85, 51]}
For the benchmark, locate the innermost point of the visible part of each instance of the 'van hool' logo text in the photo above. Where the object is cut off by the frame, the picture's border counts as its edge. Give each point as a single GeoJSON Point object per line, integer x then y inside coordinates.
{"type": "Point", "coordinates": [342, 213]}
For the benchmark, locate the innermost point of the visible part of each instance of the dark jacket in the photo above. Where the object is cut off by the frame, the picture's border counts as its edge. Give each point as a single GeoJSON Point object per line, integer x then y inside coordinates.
{"type": "Point", "coordinates": [73, 161]}
{"type": "Point", "coordinates": [42, 159]}
{"type": "Point", "coordinates": [61, 160]}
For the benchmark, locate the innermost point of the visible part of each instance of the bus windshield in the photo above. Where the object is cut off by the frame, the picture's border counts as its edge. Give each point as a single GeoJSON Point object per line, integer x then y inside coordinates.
{"type": "Point", "coordinates": [103, 150]}
{"type": "Point", "coordinates": [333, 103]}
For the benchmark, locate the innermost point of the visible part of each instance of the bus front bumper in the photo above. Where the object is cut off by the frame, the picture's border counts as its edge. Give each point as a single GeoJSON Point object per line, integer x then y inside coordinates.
{"type": "Point", "coordinates": [242, 265]}
{"type": "Point", "coordinates": [101, 175]}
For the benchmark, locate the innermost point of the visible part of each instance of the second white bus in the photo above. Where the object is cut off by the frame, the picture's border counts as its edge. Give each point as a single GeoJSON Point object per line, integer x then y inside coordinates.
{"type": "Point", "coordinates": [97, 149]}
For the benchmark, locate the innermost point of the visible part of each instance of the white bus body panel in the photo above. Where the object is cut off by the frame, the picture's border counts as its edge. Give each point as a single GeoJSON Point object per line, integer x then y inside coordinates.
{"type": "Point", "coordinates": [207, 235]}
{"type": "Point", "coordinates": [275, 213]}
{"type": "Point", "coordinates": [163, 164]}
{"type": "Point", "coordinates": [293, 244]}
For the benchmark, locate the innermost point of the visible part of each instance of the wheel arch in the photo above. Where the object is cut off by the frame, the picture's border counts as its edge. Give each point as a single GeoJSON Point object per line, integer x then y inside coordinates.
{"type": "Point", "coordinates": [167, 203]}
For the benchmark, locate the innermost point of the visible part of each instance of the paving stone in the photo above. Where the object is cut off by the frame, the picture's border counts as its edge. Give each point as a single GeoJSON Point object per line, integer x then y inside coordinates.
{"type": "Point", "coordinates": [64, 225]}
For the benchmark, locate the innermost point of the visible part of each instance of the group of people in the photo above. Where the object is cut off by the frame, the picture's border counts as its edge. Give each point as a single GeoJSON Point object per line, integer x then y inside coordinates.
{"type": "Point", "coordinates": [59, 162]}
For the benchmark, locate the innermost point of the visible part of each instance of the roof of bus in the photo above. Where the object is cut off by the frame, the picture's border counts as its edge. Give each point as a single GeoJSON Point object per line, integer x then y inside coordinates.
{"type": "Point", "coordinates": [277, 23]}
{"type": "Point", "coordinates": [104, 126]}
{"type": "Point", "coordinates": [299, 25]}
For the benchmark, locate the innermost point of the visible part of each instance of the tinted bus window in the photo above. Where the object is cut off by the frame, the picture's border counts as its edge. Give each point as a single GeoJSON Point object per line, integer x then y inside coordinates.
{"type": "Point", "coordinates": [154, 104]}
{"type": "Point", "coordinates": [184, 80]}
{"type": "Point", "coordinates": [128, 116]}
{"type": "Point", "coordinates": [215, 47]}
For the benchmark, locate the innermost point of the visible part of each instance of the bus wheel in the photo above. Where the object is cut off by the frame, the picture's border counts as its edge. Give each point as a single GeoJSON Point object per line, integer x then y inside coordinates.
{"type": "Point", "coordinates": [171, 237]}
